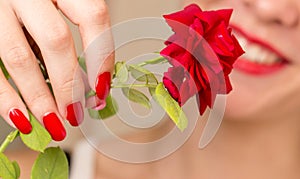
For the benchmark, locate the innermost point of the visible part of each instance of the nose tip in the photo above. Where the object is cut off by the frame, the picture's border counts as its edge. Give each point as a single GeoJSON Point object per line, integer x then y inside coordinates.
{"type": "Point", "coordinates": [282, 12]}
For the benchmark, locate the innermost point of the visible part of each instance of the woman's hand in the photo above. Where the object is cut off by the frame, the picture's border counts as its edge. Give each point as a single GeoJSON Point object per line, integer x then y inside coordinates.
{"type": "Point", "coordinates": [46, 27]}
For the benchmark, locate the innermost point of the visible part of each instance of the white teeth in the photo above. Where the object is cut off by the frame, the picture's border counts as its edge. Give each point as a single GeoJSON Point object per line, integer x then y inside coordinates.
{"type": "Point", "coordinates": [256, 53]}
{"type": "Point", "coordinates": [253, 53]}
{"type": "Point", "coordinates": [243, 42]}
{"type": "Point", "coordinates": [271, 58]}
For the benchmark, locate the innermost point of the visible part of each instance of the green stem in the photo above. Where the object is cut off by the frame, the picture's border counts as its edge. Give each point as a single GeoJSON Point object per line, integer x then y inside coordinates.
{"type": "Point", "coordinates": [134, 86]}
{"type": "Point", "coordinates": [2, 67]}
{"type": "Point", "coordinates": [153, 61]}
{"type": "Point", "coordinates": [9, 139]}
{"type": "Point", "coordinates": [142, 64]}
{"type": "Point", "coordinates": [90, 93]}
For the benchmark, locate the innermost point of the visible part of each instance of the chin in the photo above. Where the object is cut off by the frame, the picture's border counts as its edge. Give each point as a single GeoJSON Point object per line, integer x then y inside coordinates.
{"type": "Point", "coordinates": [248, 99]}
{"type": "Point", "coordinates": [238, 107]}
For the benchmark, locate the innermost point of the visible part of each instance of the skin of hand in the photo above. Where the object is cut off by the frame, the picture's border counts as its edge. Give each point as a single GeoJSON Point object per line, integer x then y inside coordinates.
{"type": "Point", "coordinates": [40, 21]}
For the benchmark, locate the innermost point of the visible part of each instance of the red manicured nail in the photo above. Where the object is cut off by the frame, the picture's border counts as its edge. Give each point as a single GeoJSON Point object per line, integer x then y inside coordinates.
{"type": "Point", "coordinates": [20, 121]}
{"type": "Point", "coordinates": [103, 85]}
{"type": "Point", "coordinates": [75, 113]}
{"type": "Point", "coordinates": [54, 126]}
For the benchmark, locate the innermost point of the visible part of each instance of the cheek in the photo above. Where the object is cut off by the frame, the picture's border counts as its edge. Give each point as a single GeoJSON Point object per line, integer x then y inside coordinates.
{"type": "Point", "coordinates": [240, 103]}
{"type": "Point", "coordinates": [259, 98]}
{"type": "Point", "coordinates": [204, 4]}
{"type": "Point", "coordinates": [214, 4]}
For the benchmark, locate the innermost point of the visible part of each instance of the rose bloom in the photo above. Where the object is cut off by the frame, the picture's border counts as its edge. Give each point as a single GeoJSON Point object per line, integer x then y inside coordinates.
{"type": "Point", "coordinates": [201, 51]}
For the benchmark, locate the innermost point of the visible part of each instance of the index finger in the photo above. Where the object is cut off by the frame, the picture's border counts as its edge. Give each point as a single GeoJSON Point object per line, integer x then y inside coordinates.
{"type": "Point", "coordinates": [93, 20]}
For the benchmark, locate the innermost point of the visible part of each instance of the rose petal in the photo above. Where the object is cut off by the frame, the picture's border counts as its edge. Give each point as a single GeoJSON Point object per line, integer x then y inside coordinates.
{"type": "Point", "coordinates": [205, 50]}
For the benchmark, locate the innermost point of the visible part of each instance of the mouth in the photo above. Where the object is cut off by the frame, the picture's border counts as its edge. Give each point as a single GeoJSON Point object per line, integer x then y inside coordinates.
{"type": "Point", "coordinates": [260, 58]}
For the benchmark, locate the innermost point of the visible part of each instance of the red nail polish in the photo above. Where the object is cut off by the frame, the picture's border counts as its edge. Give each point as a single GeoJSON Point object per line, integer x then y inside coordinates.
{"type": "Point", "coordinates": [103, 85]}
{"type": "Point", "coordinates": [75, 114]}
{"type": "Point", "coordinates": [54, 126]}
{"type": "Point", "coordinates": [20, 121]}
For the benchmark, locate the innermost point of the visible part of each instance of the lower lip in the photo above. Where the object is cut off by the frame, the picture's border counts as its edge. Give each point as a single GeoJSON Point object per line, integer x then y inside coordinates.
{"type": "Point", "coordinates": [257, 69]}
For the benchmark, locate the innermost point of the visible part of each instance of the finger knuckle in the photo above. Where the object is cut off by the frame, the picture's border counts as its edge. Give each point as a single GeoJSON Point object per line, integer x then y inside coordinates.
{"type": "Point", "coordinates": [98, 13]}
{"type": "Point", "coordinates": [59, 37]}
{"type": "Point", "coordinates": [4, 91]}
{"type": "Point", "coordinates": [67, 85]}
{"type": "Point", "coordinates": [38, 98]}
{"type": "Point", "coordinates": [18, 56]}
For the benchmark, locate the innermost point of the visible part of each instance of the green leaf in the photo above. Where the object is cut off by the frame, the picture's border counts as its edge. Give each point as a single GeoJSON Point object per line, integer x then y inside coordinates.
{"type": "Point", "coordinates": [7, 169]}
{"type": "Point", "coordinates": [171, 106]}
{"type": "Point", "coordinates": [82, 64]}
{"type": "Point", "coordinates": [39, 138]}
{"type": "Point", "coordinates": [6, 74]}
{"type": "Point", "coordinates": [141, 74]}
{"type": "Point", "coordinates": [52, 164]}
{"type": "Point", "coordinates": [110, 109]}
{"type": "Point", "coordinates": [94, 114]}
{"type": "Point", "coordinates": [152, 90]}
{"type": "Point", "coordinates": [121, 72]}
{"type": "Point", "coordinates": [137, 97]}
{"type": "Point", "coordinates": [17, 169]}
{"type": "Point", "coordinates": [151, 78]}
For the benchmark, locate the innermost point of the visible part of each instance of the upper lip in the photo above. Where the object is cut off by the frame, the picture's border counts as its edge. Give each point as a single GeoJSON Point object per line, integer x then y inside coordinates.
{"type": "Point", "coordinates": [256, 40]}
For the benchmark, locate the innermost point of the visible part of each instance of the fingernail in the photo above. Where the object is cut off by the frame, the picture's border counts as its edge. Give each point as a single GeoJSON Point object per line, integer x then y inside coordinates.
{"type": "Point", "coordinates": [20, 121]}
{"type": "Point", "coordinates": [75, 114]}
{"type": "Point", "coordinates": [54, 126]}
{"type": "Point", "coordinates": [103, 85]}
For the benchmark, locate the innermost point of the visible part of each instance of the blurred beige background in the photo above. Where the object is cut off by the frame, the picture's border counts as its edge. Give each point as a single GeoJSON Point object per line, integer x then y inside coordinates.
{"type": "Point", "coordinates": [124, 10]}
{"type": "Point", "coordinates": [120, 10]}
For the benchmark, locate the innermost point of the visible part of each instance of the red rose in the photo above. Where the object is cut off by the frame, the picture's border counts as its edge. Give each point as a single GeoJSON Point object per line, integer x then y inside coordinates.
{"type": "Point", "coordinates": [201, 51]}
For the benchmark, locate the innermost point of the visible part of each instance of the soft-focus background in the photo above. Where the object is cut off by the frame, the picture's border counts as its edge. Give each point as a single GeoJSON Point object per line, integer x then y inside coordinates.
{"type": "Point", "coordinates": [120, 10]}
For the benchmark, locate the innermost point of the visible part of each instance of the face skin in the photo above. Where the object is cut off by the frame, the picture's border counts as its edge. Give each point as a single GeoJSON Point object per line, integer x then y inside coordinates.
{"type": "Point", "coordinates": [259, 137]}
{"type": "Point", "coordinates": [271, 29]}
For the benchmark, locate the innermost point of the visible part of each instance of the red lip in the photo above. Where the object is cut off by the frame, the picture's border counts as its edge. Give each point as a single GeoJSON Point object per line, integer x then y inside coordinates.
{"type": "Point", "coordinates": [255, 68]}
